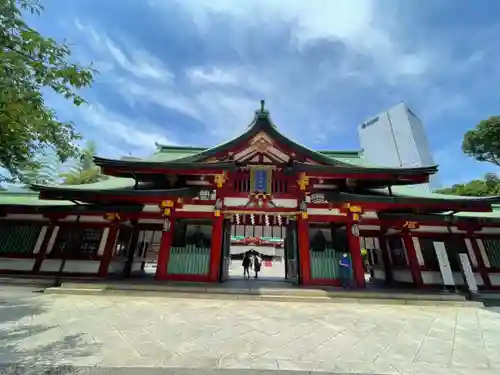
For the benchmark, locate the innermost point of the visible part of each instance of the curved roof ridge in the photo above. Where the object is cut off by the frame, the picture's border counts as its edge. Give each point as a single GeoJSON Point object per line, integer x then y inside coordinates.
{"type": "Point", "coordinates": [263, 122]}
{"type": "Point", "coordinates": [177, 147]}
{"type": "Point", "coordinates": [342, 152]}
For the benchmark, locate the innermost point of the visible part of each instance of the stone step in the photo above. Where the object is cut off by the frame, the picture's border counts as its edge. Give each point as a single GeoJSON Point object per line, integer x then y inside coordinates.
{"type": "Point", "coordinates": [253, 290]}
{"type": "Point", "coordinates": [347, 297]}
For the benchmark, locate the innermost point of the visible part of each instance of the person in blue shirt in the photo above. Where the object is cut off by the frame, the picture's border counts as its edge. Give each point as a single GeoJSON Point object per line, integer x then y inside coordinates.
{"type": "Point", "coordinates": [345, 270]}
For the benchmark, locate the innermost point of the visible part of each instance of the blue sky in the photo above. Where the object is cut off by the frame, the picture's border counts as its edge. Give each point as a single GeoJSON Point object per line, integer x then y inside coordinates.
{"type": "Point", "coordinates": [191, 72]}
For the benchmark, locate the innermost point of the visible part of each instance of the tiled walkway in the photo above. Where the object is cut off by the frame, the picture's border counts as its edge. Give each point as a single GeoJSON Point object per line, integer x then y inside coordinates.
{"type": "Point", "coordinates": [148, 332]}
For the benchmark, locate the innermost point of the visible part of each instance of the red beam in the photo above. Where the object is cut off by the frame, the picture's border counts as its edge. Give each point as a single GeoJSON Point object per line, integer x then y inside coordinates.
{"type": "Point", "coordinates": [117, 171]}
{"type": "Point", "coordinates": [379, 206]}
{"type": "Point", "coordinates": [365, 176]}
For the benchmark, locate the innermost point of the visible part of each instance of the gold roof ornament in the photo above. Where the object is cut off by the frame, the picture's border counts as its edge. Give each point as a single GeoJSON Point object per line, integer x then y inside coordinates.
{"type": "Point", "coordinates": [303, 181]}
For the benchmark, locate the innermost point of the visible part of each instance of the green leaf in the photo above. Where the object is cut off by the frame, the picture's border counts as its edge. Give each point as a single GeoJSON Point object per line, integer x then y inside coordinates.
{"type": "Point", "coordinates": [489, 186]}
{"type": "Point", "coordinates": [30, 62]}
{"type": "Point", "coordinates": [483, 142]}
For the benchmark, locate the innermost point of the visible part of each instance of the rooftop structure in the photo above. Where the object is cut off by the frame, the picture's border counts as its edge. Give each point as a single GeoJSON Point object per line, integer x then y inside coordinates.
{"type": "Point", "coordinates": [397, 138]}
{"type": "Point", "coordinates": [187, 204]}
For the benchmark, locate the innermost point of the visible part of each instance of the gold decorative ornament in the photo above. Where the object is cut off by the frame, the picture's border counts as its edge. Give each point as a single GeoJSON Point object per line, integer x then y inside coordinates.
{"type": "Point", "coordinates": [111, 216]}
{"type": "Point", "coordinates": [167, 203]}
{"type": "Point", "coordinates": [303, 181]}
{"type": "Point", "coordinates": [166, 212]}
{"type": "Point", "coordinates": [353, 208]}
{"type": "Point", "coordinates": [261, 195]}
{"type": "Point", "coordinates": [220, 179]}
{"type": "Point", "coordinates": [410, 225]}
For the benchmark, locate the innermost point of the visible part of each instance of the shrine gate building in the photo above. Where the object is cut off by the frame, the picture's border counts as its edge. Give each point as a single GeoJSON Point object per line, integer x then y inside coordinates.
{"type": "Point", "coordinates": [254, 188]}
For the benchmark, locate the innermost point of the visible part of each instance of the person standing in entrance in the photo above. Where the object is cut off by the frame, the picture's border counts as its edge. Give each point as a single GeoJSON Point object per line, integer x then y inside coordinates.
{"type": "Point", "coordinates": [345, 270]}
{"type": "Point", "coordinates": [246, 265]}
{"type": "Point", "coordinates": [257, 263]}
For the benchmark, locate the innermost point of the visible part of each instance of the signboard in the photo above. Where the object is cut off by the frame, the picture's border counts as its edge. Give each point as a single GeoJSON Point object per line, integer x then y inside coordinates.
{"type": "Point", "coordinates": [469, 275]}
{"type": "Point", "coordinates": [260, 180]}
{"type": "Point", "coordinates": [444, 264]}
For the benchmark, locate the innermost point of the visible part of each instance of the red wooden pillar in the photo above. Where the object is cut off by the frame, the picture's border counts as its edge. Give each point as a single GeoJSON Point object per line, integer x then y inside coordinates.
{"type": "Point", "coordinates": [304, 251]}
{"type": "Point", "coordinates": [216, 248]}
{"type": "Point", "coordinates": [164, 253]}
{"type": "Point", "coordinates": [352, 231]}
{"type": "Point", "coordinates": [480, 262]}
{"type": "Point", "coordinates": [107, 255]}
{"type": "Point", "coordinates": [412, 259]}
{"type": "Point", "coordinates": [43, 249]}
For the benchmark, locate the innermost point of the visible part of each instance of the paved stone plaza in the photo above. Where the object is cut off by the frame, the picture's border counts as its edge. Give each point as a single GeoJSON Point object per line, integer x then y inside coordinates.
{"type": "Point", "coordinates": [151, 332]}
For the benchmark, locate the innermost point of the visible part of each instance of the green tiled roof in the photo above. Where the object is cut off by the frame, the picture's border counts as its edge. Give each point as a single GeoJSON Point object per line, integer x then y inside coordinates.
{"type": "Point", "coordinates": [171, 153]}
{"type": "Point", "coordinates": [28, 198]}
{"type": "Point", "coordinates": [413, 192]}
{"type": "Point", "coordinates": [109, 184]}
{"type": "Point", "coordinates": [495, 214]}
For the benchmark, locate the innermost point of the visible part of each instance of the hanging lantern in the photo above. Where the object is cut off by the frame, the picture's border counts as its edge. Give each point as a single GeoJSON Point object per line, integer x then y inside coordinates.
{"type": "Point", "coordinates": [166, 225]}
{"type": "Point", "coordinates": [218, 207]}
{"type": "Point", "coordinates": [303, 208]}
{"type": "Point", "coordinates": [266, 220]}
{"type": "Point", "coordinates": [237, 218]}
{"type": "Point", "coordinates": [278, 219]}
{"type": "Point", "coordinates": [252, 219]}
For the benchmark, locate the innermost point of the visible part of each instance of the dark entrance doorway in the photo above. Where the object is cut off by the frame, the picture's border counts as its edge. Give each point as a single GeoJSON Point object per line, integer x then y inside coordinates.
{"type": "Point", "coordinates": [275, 246]}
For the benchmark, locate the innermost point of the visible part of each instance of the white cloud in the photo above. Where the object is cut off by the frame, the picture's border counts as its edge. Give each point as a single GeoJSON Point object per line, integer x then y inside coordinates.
{"type": "Point", "coordinates": [359, 24]}
{"type": "Point", "coordinates": [204, 75]}
{"type": "Point", "coordinates": [223, 113]}
{"type": "Point", "coordinates": [138, 133]}
{"type": "Point", "coordinates": [140, 63]}
{"type": "Point", "coordinates": [314, 19]}
{"type": "Point", "coordinates": [163, 95]}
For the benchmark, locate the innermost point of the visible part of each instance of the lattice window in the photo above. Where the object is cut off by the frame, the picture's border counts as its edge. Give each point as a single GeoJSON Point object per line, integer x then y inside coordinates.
{"type": "Point", "coordinates": [90, 241]}
{"type": "Point", "coordinates": [320, 237]}
{"type": "Point", "coordinates": [18, 239]}
{"type": "Point", "coordinates": [492, 248]}
{"type": "Point", "coordinates": [77, 242]}
{"type": "Point", "coordinates": [192, 232]}
{"type": "Point", "coordinates": [279, 185]}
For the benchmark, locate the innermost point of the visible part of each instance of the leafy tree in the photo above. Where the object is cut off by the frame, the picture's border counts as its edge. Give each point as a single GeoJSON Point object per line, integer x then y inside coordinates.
{"type": "Point", "coordinates": [77, 171]}
{"type": "Point", "coordinates": [84, 171]}
{"type": "Point", "coordinates": [30, 62]}
{"type": "Point", "coordinates": [488, 186]}
{"type": "Point", "coordinates": [483, 142]}
{"type": "Point", "coordinates": [45, 170]}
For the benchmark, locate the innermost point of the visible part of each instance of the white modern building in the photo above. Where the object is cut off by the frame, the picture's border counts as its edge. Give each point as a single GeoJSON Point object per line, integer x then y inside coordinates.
{"type": "Point", "coordinates": [397, 138]}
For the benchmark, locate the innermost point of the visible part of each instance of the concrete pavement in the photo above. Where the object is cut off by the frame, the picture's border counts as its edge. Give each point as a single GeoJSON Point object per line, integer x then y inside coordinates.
{"type": "Point", "coordinates": [70, 370]}
{"type": "Point", "coordinates": [207, 335]}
